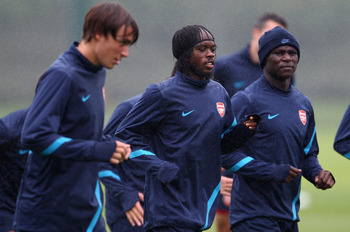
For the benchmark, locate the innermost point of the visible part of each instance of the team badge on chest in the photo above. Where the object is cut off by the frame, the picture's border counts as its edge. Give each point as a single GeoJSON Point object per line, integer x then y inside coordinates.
{"type": "Point", "coordinates": [104, 93]}
{"type": "Point", "coordinates": [221, 108]}
{"type": "Point", "coordinates": [302, 116]}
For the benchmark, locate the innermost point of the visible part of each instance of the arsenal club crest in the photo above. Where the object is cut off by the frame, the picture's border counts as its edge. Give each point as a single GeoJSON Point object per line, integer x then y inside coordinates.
{"type": "Point", "coordinates": [104, 93]}
{"type": "Point", "coordinates": [302, 116]}
{"type": "Point", "coordinates": [221, 108]}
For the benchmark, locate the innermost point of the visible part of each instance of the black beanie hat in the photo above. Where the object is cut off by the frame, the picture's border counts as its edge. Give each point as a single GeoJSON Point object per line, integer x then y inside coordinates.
{"type": "Point", "coordinates": [186, 37]}
{"type": "Point", "coordinates": [272, 39]}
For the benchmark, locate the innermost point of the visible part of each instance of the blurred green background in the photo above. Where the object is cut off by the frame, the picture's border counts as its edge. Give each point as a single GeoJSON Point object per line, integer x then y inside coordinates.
{"type": "Point", "coordinates": [35, 32]}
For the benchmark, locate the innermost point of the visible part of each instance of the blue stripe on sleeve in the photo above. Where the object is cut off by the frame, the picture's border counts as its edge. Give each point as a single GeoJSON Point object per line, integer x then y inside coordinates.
{"type": "Point", "coordinates": [234, 123]}
{"type": "Point", "coordinates": [99, 210]}
{"type": "Point", "coordinates": [55, 145]}
{"type": "Point", "coordinates": [240, 164]}
{"type": "Point", "coordinates": [347, 155]}
{"type": "Point", "coordinates": [210, 204]}
{"type": "Point", "coordinates": [23, 152]}
{"type": "Point", "coordinates": [308, 147]}
{"type": "Point", "coordinates": [137, 153]}
{"type": "Point", "coordinates": [108, 173]}
{"type": "Point", "coordinates": [295, 217]}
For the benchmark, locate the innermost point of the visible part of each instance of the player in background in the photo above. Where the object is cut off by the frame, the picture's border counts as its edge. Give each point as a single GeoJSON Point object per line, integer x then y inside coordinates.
{"type": "Point", "coordinates": [123, 183]}
{"type": "Point", "coordinates": [12, 161]}
{"type": "Point", "coordinates": [342, 138]}
{"type": "Point", "coordinates": [286, 134]}
{"type": "Point", "coordinates": [60, 190]}
{"type": "Point", "coordinates": [238, 70]}
{"type": "Point", "coordinates": [235, 72]}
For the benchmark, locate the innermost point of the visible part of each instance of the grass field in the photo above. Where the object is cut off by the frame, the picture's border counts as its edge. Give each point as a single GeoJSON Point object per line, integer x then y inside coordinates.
{"type": "Point", "coordinates": [322, 211]}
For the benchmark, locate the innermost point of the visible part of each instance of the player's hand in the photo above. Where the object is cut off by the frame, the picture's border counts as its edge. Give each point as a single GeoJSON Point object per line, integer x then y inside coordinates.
{"type": "Point", "coordinates": [121, 153]}
{"type": "Point", "coordinates": [252, 122]}
{"type": "Point", "coordinates": [324, 180]}
{"type": "Point", "coordinates": [226, 186]}
{"type": "Point", "coordinates": [135, 214]}
{"type": "Point", "coordinates": [293, 173]}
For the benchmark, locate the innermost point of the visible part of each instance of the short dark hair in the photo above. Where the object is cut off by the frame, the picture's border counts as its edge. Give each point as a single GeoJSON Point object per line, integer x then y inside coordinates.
{"type": "Point", "coordinates": [183, 42]}
{"type": "Point", "coordinates": [107, 18]}
{"type": "Point", "coordinates": [261, 21]}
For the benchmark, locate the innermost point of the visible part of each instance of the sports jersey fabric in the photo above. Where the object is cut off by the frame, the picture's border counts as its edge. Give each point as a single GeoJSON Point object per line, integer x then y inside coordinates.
{"type": "Point", "coordinates": [342, 138]}
{"type": "Point", "coordinates": [123, 181]}
{"type": "Point", "coordinates": [286, 134]}
{"type": "Point", "coordinates": [60, 189]}
{"type": "Point", "coordinates": [12, 161]}
{"type": "Point", "coordinates": [179, 121]}
{"type": "Point", "coordinates": [236, 71]}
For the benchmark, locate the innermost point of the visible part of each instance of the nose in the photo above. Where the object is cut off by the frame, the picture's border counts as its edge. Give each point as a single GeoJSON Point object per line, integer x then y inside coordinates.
{"type": "Point", "coordinates": [210, 53]}
{"type": "Point", "coordinates": [286, 58]}
{"type": "Point", "coordinates": [125, 51]}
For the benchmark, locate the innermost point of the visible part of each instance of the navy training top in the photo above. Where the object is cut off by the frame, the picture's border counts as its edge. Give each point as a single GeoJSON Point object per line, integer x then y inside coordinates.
{"type": "Point", "coordinates": [236, 71]}
{"type": "Point", "coordinates": [12, 161]}
{"type": "Point", "coordinates": [60, 189]}
{"type": "Point", "coordinates": [124, 181]}
{"type": "Point", "coordinates": [342, 138]}
{"type": "Point", "coordinates": [286, 134]}
{"type": "Point", "coordinates": [179, 121]}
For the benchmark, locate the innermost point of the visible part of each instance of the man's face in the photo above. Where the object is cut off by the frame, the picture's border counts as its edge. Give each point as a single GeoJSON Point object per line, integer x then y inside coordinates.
{"type": "Point", "coordinates": [109, 51]}
{"type": "Point", "coordinates": [202, 60]}
{"type": "Point", "coordinates": [282, 62]}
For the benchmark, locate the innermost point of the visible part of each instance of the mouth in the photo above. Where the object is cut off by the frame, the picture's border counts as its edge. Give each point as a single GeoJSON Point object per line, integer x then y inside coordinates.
{"type": "Point", "coordinates": [287, 67]}
{"type": "Point", "coordinates": [116, 61]}
{"type": "Point", "coordinates": [210, 64]}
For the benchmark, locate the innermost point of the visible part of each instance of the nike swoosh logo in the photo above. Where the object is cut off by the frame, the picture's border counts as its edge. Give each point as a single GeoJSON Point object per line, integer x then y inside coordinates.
{"type": "Point", "coordinates": [272, 116]}
{"type": "Point", "coordinates": [185, 114]}
{"type": "Point", "coordinates": [239, 84]}
{"type": "Point", "coordinates": [85, 98]}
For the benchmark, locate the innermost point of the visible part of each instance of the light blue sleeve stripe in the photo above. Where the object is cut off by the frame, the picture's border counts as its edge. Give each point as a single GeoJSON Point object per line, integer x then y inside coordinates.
{"type": "Point", "coordinates": [347, 155]}
{"type": "Point", "coordinates": [308, 147]}
{"type": "Point", "coordinates": [234, 123]}
{"type": "Point", "coordinates": [99, 209]}
{"type": "Point", "coordinates": [295, 215]}
{"type": "Point", "coordinates": [22, 152]}
{"type": "Point", "coordinates": [108, 173]}
{"type": "Point", "coordinates": [210, 204]}
{"type": "Point", "coordinates": [55, 145]}
{"type": "Point", "coordinates": [138, 153]}
{"type": "Point", "coordinates": [240, 164]}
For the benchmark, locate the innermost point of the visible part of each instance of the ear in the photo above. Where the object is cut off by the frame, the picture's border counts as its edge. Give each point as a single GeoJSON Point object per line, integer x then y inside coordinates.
{"type": "Point", "coordinates": [98, 36]}
{"type": "Point", "coordinates": [256, 33]}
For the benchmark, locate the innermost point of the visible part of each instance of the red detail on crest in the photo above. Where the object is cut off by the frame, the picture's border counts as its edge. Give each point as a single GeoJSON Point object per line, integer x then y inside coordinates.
{"type": "Point", "coordinates": [104, 93]}
{"type": "Point", "coordinates": [302, 116]}
{"type": "Point", "coordinates": [221, 108]}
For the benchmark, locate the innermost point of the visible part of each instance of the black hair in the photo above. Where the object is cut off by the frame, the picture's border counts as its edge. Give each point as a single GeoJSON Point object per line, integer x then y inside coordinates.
{"type": "Point", "coordinates": [261, 21]}
{"type": "Point", "coordinates": [183, 42]}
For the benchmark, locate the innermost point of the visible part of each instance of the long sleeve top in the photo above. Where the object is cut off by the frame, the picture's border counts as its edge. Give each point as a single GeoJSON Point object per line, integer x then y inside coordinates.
{"type": "Point", "coordinates": [286, 134]}
{"type": "Point", "coordinates": [179, 121]}
{"type": "Point", "coordinates": [13, 158]}
{"type": "Point", "coordinates": [342, 138]}
{"type": "Point", "coordinates": [60, 189]}
{"type": "Point", "coordinates": [124, 181]}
